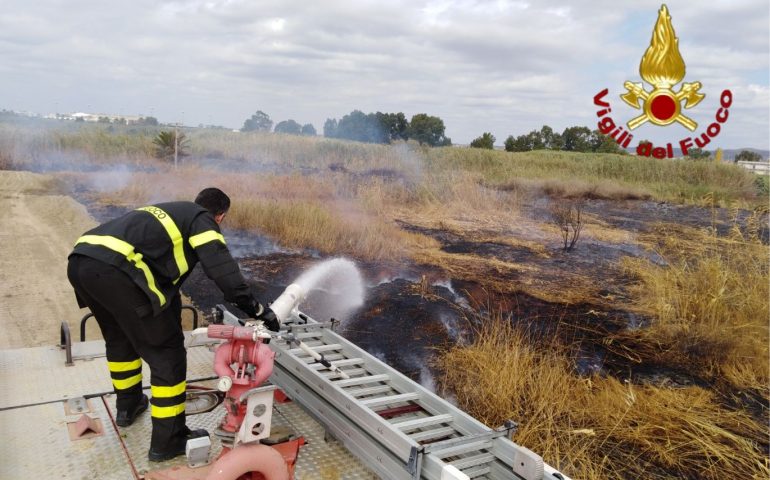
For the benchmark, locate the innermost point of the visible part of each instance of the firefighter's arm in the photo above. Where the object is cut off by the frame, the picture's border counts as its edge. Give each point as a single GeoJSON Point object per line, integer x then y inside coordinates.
{"type": "Point", "coordinates": [219, 265]}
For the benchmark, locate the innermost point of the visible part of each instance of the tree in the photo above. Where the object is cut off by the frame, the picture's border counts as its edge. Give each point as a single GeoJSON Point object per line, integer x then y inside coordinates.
{"type": "Point", "coordinates": [428, 130]}
{"type": "Point", "coordinates": [535, 140]}
{"type": "Point", "coordinates": [602, 143]}
{"type": "Point", "coordinates": [567, 215]}
{"type": "Point", "coordinates": [167, 141]}
{"type": "Point", "coordinates": [393, 126]}
{"type": "Point", "coordinates": [577, 139]}
{"type": "Point", "coordinates": [368, 127]}
{"type": "Point", "coordinates": [104, 120]}
{"type": "Point", "coordinates": [698, 154]}
{"type": "Point", "coordinates": [518, 144]}
{"type": "Point", "coordinates": [309, 130]}
{"type": "Point", "coordinates": [259, 122]}
{"type": "Point", "coordinates": [330, 128]}
{"type": "Point", "coordinates": [551, 140]}
{"type": "Point", "coordinates": [360, 127]}
{"type": "Point", "coordinates": [748, 156]}
{"type": "Point", "coordinates": [486, 140]}
{"type": "Point", "coordinates": [148, 121]}
{"type": "Point", "coordinates": [288, 126]}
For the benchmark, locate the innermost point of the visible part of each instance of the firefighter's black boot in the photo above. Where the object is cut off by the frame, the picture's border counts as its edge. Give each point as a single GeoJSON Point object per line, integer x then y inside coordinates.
{"type": "Point", "coordinates": [126, 417]}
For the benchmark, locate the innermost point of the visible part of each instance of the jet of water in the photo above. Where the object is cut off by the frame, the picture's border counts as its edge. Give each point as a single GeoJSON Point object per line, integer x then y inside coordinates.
{"type": "Point", "coordinates": [334, 288]}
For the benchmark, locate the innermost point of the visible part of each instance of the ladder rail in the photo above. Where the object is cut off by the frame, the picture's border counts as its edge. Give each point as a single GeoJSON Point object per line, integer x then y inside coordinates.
{"type": "Point", "coordinates": [507, 460]}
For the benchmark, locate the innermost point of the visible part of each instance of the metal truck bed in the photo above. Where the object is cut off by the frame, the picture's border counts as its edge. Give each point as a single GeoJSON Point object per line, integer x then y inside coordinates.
{"type": "Point", "coordinates": [34, 421]}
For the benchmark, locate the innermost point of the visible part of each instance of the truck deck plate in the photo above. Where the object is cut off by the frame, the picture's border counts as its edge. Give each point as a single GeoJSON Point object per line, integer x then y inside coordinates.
{"type": "Point", "coordinates": [36, 442]}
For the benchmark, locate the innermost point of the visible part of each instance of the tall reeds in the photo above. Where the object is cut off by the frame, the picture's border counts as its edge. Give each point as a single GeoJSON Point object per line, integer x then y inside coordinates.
{"type": "Point", "coordinates": [594, 427]}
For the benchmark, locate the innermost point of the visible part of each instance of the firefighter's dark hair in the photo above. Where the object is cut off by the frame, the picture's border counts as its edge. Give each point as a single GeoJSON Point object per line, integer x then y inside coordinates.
{"type": "Point", "coordinates": [214, 200]}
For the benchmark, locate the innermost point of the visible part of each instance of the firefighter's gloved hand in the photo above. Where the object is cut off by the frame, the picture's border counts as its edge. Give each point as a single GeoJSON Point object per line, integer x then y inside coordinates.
{"type": "Point", "coordinates": [269, 319]}
{"type": "Point", "coordinates": [250, 307]}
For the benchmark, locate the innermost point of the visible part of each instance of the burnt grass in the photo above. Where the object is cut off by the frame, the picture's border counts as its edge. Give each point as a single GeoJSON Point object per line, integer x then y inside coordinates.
{"type": "Point", "coordinates": [413, 311]}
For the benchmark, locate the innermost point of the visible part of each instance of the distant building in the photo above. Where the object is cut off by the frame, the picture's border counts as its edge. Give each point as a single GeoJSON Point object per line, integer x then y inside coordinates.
{"type": "Point", "coordinates": [95, 117]}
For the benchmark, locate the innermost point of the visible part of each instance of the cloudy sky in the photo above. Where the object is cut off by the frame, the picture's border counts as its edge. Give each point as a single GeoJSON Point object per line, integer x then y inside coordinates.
{"type": "Point", "coordinates": [506, 67]}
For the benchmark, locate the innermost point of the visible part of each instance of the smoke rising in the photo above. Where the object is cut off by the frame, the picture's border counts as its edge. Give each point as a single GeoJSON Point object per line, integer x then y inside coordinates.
{"type": "Point", "coordinates": [111, 180]}
{"type": "Point", "coordinates": [245, 244]}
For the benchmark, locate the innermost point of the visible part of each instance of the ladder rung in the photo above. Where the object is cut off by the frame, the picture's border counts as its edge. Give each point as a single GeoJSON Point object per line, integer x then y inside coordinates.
{"type": "Point", "coordinates": [315, 335]}
{"type": "Point", "coordinates": [473, 461]}
{"type": "Point", "coordinates": [436, 434]}
{"type": "Point", "coordinates": [318, 348]}
{"type": "Point", "coordinates": [477, 472]}
{"type": "Point", "coordinates": [360, 392]}
{"type": "Point", "coordinates": [464, 448]}
{"type": "Point", "coordinates": [423, 422]}
{"type": "Point", "coordinates": [338, 363]}
{"type": "Point", "coordinates": [332, 357]}
{"type": "Point", "coordinates": [390, 399]}
{"type": "Point", "coordinates": [361, 380]}
{"type": "Point", "coordinates": [349, 373]}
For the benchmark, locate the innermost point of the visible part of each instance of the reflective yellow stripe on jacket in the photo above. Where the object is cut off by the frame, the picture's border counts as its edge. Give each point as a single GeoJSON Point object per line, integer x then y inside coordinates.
{"type": "Point", "coordinates": [126, 249]}
{"type": "Point", "coordinates": [206, 237]}
{"type": "Point", "coordinates": [174, 234]}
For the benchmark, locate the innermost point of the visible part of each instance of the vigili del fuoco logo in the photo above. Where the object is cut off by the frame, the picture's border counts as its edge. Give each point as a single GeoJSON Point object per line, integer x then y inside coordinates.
{"type": "Point", "coordinates": [662, 67]}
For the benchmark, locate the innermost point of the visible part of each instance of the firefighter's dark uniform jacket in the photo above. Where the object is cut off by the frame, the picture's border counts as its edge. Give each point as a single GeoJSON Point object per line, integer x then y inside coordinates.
{"type": "Point", "coordinates": [157, 246]}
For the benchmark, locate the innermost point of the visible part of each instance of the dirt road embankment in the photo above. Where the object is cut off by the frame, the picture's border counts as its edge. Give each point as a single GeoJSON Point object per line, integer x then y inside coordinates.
{"type": "Point", "coordinates": [39, 228]}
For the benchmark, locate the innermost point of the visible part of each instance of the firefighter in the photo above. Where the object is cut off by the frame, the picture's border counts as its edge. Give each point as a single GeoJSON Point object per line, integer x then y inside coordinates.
{"type": "Point", "coordinates": [128, 272]}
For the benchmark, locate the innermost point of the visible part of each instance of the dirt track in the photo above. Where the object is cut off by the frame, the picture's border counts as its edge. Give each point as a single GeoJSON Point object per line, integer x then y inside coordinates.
{"type": "Point", "coordinates": [39, 228]}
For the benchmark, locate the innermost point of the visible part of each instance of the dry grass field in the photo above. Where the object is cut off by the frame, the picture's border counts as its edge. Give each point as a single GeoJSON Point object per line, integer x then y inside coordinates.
{"type": "Point", "coordinates": [680, 244]}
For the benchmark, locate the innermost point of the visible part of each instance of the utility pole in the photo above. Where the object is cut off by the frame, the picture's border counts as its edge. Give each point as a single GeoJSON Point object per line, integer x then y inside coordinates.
{"type": "Point", "coordinates": [176, 145]}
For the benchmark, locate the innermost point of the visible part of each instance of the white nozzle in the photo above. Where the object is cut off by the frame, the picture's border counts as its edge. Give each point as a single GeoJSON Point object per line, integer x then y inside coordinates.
{"type": "Point", "coordinates": [196, 336]}
{"type": "Point", "coordinates": [288, 301]}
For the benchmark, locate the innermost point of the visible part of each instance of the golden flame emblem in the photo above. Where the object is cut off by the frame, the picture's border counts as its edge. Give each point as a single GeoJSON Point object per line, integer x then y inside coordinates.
{"type": "Point", "coordinates": [662, 67]}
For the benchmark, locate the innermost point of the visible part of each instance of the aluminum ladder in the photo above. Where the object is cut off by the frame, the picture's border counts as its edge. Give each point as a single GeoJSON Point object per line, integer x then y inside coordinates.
{"type": "Point", "coordinates": [395, 426]}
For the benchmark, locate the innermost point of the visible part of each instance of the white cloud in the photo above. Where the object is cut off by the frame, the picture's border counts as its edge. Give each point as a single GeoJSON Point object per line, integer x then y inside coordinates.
{"type": "Point", "coordinates": [500, 66]}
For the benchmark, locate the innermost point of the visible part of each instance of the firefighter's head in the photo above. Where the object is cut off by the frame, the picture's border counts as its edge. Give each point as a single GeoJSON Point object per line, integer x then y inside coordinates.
{"type": "Point", "coordinates": [215, 201]}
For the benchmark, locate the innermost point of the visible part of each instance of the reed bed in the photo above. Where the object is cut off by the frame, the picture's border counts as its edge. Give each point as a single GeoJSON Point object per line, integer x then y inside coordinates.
{"type": "Point", "coordinates": [598, 427]}
{"type": "Point", "coordinates": [46, 143]}
{"type": "Point", "coordinates": [709, 304]}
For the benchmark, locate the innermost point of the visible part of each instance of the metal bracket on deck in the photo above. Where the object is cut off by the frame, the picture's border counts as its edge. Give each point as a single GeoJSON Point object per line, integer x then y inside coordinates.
{"type": "Point", "coordinates": [76, 406]}
{"type": "Point", "coordinates": [414, 466]}
{"type": "Point", "coordinates": [66, 343]}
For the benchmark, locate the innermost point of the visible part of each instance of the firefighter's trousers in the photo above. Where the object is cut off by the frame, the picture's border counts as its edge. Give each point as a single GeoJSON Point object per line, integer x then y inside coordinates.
{"type": "Point", "coordinates": [132, 333]}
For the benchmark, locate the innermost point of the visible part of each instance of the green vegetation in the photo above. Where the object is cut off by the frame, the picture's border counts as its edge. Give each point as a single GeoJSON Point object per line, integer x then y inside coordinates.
{"type": "Point", "coordinates": [748, 156]}
{"type": "Point", "coordinates": [573, 139]}
{"type": "Point", "coordinates": [678, 181]}
{"type": "Point", "coordinates": [259, 122]}
{"type": "Point", "coordinates": [170, 144]}
{"type": "Point", "coordinates": [486, 140]}
{"type": "Point", "coordinates": [387, 128]}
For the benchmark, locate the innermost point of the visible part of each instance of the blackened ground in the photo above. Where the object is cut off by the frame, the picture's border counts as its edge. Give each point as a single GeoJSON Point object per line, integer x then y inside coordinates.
{"type": "Point", "coordinates": [401, 322]}
{"type": "Point", "coordinates": [411, 311]}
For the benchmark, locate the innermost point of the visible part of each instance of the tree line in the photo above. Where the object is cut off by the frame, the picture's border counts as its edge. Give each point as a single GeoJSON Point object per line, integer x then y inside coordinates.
{"type": "Point", "coordinates": [261, 122]}
{"type": "Point", "coordinates": [572, 139]}
{"type": "Point", "coordinates": [363, 127]}
{"type": "Point", "coordinates": [429, 130]}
